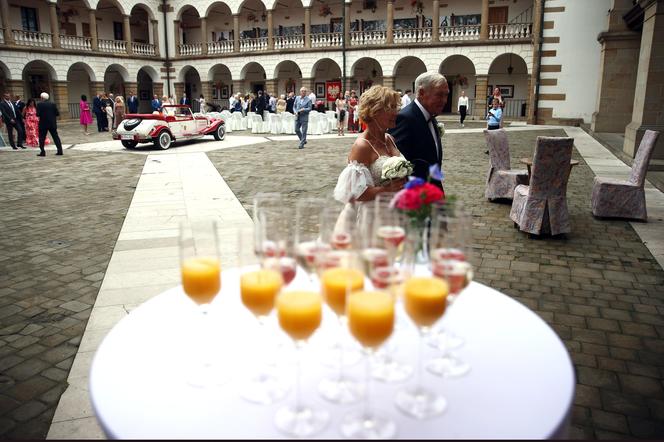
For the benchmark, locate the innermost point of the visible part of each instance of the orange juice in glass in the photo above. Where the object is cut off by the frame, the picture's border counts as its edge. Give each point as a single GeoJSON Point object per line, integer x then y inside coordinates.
{"type": "Point", "coordinates": [259, 290]}
{"type": "Point", "coordinates": [201, 278]}
{"type": "Point", "coordinates": [337, 283]}
{"type": "Point", "coordinates": [300, 314]}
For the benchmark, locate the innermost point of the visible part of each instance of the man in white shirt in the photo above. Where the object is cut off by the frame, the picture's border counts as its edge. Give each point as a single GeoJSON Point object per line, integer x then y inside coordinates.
{"type": "Point", "coordinates": [405, 99]}
{"type": "Point", "coordinates": [312, 97]}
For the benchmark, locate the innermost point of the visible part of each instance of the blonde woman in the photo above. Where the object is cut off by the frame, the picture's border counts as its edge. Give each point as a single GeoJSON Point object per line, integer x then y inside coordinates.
{"type": "Point", "coordinates": [360, 181]}
{"type": "Point", "coordinates": [281, 104]}
{"type": "Point", "coordinates": [119, 111]}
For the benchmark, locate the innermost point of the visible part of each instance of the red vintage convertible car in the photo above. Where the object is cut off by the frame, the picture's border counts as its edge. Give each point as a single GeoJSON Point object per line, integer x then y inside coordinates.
{"type": "Point", "coordinates": [174, 122]}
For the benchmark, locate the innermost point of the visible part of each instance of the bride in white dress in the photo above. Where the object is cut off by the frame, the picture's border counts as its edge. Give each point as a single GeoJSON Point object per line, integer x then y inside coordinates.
{"type": "Point", "coordinates": [360, 182]}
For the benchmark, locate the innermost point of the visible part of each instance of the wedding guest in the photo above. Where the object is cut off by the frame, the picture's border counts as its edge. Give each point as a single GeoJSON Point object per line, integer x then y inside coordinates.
{"type": "Point", "coordinates": [494, 116]}
{"type": "Point", "coordinates": [462, 107]}
{"type": "Point", "coordinates": [119, 112]}
{"type": "Point", "coordinates": [341, 106]}
{"type": "Point", "coordinates": [201, 104]}
{"type": "Point", "coordinates": [10, 116]}
{"type": "Point", "coordinates": [302, 107]}
{"type": "Point", "coordinates": [496, 95]}
{"type": "Point", "coordinates": [405, 99]}
{"type": "Point", "coordinates": [47, 112]}
{"type": "Point", "coordinates": [100, 114]}
{"type": "Point", "coordinates": [32, 125]}
{"type": "Point", "coordinates": [352, 112]}
{"type": "Point", "coordinates": [290, 101]}
{"type": "Point", "coordinates": [416, 132]}
{"type": "Point", "coordinates": [156, 104]}
{"type": "Point", "coordinates": [281, 104]}
{"type": "Point", "coordinates": [272, 104]}
{"type": "Point", "coordinates": [184, 100]}
{"type": "Point", "coordinates": [20, 106]}
{"type": "Point", "coordinates": [132, 103]}
{"type": "Point", "coordinates": [86, 116]}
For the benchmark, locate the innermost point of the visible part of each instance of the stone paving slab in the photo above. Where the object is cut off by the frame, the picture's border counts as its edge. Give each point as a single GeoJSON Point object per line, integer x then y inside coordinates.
{"type": "Point", "coordinates": [60, 218]}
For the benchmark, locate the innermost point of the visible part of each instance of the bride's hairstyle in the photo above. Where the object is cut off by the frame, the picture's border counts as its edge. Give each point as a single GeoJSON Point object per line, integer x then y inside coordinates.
{"type": "Point", "coordinates": [378, 99]}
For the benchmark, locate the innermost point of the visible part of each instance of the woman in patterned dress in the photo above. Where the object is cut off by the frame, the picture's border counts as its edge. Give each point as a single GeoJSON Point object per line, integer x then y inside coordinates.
{"type": "Point", "coordinates": [32, 125]}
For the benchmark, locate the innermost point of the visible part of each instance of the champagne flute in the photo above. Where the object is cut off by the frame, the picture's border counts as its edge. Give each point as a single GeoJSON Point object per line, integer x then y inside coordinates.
{"type": "Point", "coordinates": [201, 280]}
{"type": "Point", "coordinates": [258, 290]}
{"type": "Point", "coordinates": [274, 235]}
{"type": "Point", "coordinates": [371, 322]}
{"type": "Point", "coordinates": [300, 314]}
{"type": "Point", "coordinates": [307, 229]}
{"type": "Point", "coordinates": [425, 303]}
{"type": "Point", "coordinates": [263, 200]}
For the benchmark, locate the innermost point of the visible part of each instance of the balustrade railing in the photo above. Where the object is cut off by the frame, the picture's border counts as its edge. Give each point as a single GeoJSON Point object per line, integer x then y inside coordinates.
{"type": "Point", "coordinates": [191, 49]}
{"type": "Point", "coordinates": [76, 42]}
{"type": "Point", "coordinates": [34, 39]}
{"type": "Point", "coordinates": [74, 110]}
{"type": "Point", "coordinates": [456, 33]}
{"type": "Point", "coordinates": [515, 108]}
{"type": "Point", "coordinates": [219, 47]}
{"type": "Point", "coordinates": [112, 46]}
{"type": "Point", "coordinates": [326, 39]}
{"type": "Point", "coordinates": [417, 35]}
{"type": "Point", "coordinates": [288, 41]}
{"type": "Point", "coordinates": [361, 38]}
{"type": "Point", "coordinates": [143, 48]}
{"type": "Point", "coordinates": [253, 44]}
{"type": "Point", "coordinates": [507, 31]}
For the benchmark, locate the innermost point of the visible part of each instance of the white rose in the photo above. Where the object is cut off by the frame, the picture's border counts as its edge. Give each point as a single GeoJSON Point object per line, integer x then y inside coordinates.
{"type": "Point", "coordinates": [396, 167]}
{"type": "Point", "coordinates": [441, 129]}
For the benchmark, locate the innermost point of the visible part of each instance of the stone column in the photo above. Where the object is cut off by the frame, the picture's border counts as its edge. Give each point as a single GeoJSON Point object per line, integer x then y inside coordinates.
{"type": "Point", "coordinates": [60, 96]}
{"type": "Point", "coordinates": [435, 26]}
{"type": "Point", "coordinates": [649, 92]}
{"type": "Point", "coordinates": [481, 83]}
{"type": "Point", "coordinates": [388, 81]}
{"type": "Point", "coordinates": [534, 79]}
{"type": "Point", "coordinates": [55, 28]}
{"type": "Point", "coordinates": [271, 86]}
{"type": "Point", "coordinates": [347, 24]}
{"type": "Point", "coordinates": [307, 27]}
{"type": "Point", "coordinates": [270, 31]}
{"type": "Point", "coordinates": [484, 28]}
{"type": "Point", "coordinates": [127, 34]}
{"type": "Point", "coordinates": [158, 90]}
{"type": "Point", "coordinates": [4, 11]}
{"type": "Point", "coordinates": [155, 36]}
{"type": "Point", "coordinates": [97, 86]}
{"type": "Point", "coordinates": [206, 90]}
{"type": "Point", "coordinates": [238, 86]}
{"type": "Point", "coordinates": [204, 36]}
{"type": "Point", "coordinates": [176, 36]}
{"type": "Point", "coordinates": [17, 87]}
{"type": "Point", "coordinates": [389, 38]}
{"type": "Point", "coordinates": [236, 32]}
{"type": "Point", "coordinates": [308, 83]}
{"type": "Point", "coordinates": [619, 62]}
{"type": "Point", "coordinates": [94, 42]}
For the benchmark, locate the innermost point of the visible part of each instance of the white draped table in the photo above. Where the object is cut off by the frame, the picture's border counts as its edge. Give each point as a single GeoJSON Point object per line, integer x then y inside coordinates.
{"type": "Point", "coordinates": [521, 385]}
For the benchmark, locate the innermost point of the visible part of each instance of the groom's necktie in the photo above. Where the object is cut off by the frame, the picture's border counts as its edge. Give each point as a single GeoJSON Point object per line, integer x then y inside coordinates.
{"type": "Point", "coordinates": [439, 149]}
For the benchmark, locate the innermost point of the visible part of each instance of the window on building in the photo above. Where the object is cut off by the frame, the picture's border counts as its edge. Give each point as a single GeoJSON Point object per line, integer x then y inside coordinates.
{"type": "Point", "coordinates": [118, 30]}
{"type": "Point", "coordinates": [29, 19]}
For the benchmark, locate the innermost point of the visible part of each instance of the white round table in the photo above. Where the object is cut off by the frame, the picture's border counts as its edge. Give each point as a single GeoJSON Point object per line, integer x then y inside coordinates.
{"type": "Point", "coordinates": [521, 385]}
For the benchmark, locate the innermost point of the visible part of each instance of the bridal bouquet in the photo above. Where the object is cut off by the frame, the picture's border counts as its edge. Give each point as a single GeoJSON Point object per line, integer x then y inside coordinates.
{"type": "Point", "coordinates": [395, 168]}
{"type": "Point", "coordinates": [418, 195]}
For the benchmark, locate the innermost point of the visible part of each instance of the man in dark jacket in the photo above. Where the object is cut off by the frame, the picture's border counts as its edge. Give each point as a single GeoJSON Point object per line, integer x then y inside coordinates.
{"type": "Point", "coordinates": [48, 113]}
{"type": "Point", "coordinates": [98, 109]}
{"type": "Point", "coordinates": [261, 103]}
{"type": "Point", "coordinates": [290, 101]}
{"type": "Point", "coordinates": [10, 117]}
{"type": "Point", "coordinates": [132, 103]}
{"type": "Point", "coordinates": [20, 105]}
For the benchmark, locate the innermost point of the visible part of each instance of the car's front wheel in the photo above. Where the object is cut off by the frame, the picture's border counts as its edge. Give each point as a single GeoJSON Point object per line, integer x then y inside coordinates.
{"type": "Point", "coordinates": [130, 144]}
{"type": "Point", "coordinates": [220, 133]}
{"type": "Point", "coordinates": [163, 141]}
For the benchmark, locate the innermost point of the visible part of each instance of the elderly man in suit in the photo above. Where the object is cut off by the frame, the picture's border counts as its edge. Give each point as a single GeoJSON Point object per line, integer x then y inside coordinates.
{"type": "Point", "coordinates": [132, 103]}
{"type": "Point", "coordinates": [11, 115]}
{"type": "Point", "coordinates": [416, 133]}
{"type": "Point", "coordinates": [156, 104]}
{"type": "Point", "coordinates": [185, 101]}
{"type": "Point", "coordinates": [98, 109]}
{"type": "Point", "coordinates": [48, 113]}
{"type": "Point", "coordinates": [302, 107]}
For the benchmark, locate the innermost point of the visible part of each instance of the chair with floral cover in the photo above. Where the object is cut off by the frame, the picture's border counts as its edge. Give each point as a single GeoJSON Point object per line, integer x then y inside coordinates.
{"type": "Point", "coordinates": [501, 179]}
{"type": "Point", "coordinates": [541, 207]}
{"type": "Point", "coordinates": [626, 199]}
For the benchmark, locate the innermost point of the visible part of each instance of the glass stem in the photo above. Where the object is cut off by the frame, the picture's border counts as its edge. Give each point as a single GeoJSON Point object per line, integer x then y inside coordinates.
{"type": "Point", "coordinates": [420, 361]}
{"type": "Point", "coordinates": [341, 349]}
{"type": "Point", "coordinates": [367, 385]}
{"type": "Point", "coordinates": [298, 377]}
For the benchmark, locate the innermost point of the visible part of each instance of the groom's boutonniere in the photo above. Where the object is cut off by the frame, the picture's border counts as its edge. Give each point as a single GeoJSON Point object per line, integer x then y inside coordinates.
{"type": "Point", "coordinates": [441, 129]}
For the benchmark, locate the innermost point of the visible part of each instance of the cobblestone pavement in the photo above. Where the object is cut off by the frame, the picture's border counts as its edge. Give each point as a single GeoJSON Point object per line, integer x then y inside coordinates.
{"type": "Point", "coordinates": [60, 219]}
{"type": "Point", "coordinates": [599, 288]}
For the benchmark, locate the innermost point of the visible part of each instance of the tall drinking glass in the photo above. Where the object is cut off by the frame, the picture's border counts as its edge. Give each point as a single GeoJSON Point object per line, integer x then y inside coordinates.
{"type": "Point", "coordinates": [425, 302]}
{"type": "Point", "coordinates": [307, 233]}
{"type": "Point", "coordinates": [201, 281]}
{"type": "Point", "coordinates": [371, 322]}
{"type": "Point", "coordinates": [300, 315]}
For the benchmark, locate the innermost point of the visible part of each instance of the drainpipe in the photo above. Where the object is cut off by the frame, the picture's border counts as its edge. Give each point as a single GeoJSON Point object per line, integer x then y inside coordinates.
{"type": "Point", "coordinates": [539, 62]}
{"type": "Point", "coordinates": [164, 4]}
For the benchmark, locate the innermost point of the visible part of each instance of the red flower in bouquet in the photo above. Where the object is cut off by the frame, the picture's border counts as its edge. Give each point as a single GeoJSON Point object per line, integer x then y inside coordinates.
{"type": "Point", "coordinates": [416, 198]}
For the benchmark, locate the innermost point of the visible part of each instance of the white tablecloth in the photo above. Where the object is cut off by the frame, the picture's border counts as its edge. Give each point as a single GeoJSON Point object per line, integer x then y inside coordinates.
{"type": "Point", "coordinates": [521, 384]}
{"type": "Point", "coordinates": [318, 124]}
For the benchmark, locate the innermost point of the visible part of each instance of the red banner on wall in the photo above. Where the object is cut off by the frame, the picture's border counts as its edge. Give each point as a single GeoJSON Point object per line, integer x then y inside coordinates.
{"type": "Point", "coordinates": [332, 88]}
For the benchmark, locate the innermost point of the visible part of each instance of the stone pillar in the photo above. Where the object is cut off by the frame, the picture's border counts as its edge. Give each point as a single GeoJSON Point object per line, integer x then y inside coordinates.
{"type": "Point", "coordinates": [238, 86]}
{"type": "Point", "coordinates": [158, 90]}
{"type": "Point", "coordinates": [534, 79]}
{"type": "Point", "coordinates": [127, 34]}
{"type": "Point", "coordinates": [649, 92]}
{"type": "Point", "coordinates": [55, 28]}
{"type": "Point", "coordinates": [270, 30]}
{"type": "Point", "coordinates": [4, 11]}
{"type": "Point", "coordinates": [204, 36]}
{"type": "Point", "coordinates": [206, 90]}
{"type": "Point", "coordinates": [179, 90]}
{"type": "Point", "coordinates": [481, 83]}
{"type": "Point", "coordinates": [347, 24]}
{"type": "Point", "coordinates": [271, 86]}
{"type": "Point", "coordinates": [155, 36]}
{"type": "Point", "coordinates": [236, 32]}
{"type": "Point", "coordinates": [60, 96]}
{"type": "Point", "coordinates": [484, 28]}
{"type": "Point", "coordinates": [176, 36]}
{"type": "Point", "coordinates": [389, 38]}
{"type": "Point", "coordinates": [388, 81]}
{"type": "Point", "coordinates": [435, 26]}
{"type": "Point", "coordinates": [17, 87]}
{"type": "Point", "coordinates": [94, 42]}
{"type": "Point", "coordinates": [97, 86]}
{"type": "Point", "coordinates": [308, 83]}
{"type": "Point", "coordinates": [307, 27]}
{"type": "Point", "coordinates": [620, 58]}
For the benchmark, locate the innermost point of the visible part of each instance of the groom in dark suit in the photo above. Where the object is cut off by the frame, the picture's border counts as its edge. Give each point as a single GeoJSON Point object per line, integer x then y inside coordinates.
{"type": "Point", "coordinates": [416, 133]}
{"type": "Point", "coordinates": [132, 103]}
{"type": "Point", "coordinates": [48, 113]}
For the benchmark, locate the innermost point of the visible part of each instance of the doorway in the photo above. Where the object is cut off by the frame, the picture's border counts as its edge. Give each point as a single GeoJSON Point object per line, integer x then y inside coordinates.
{"type": "Point", "coordinates": [498, 15]}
